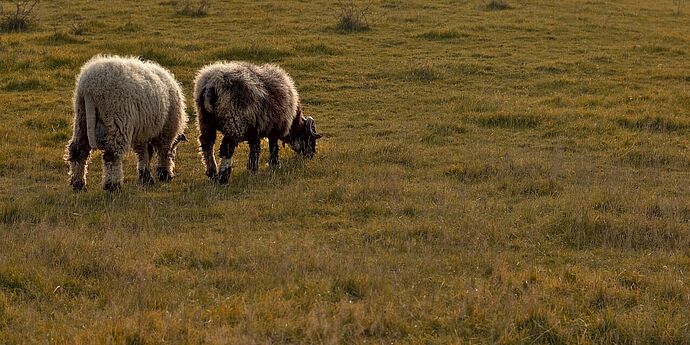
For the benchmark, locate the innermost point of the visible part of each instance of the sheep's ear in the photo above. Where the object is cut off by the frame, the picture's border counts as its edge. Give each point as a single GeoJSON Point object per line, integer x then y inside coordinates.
{"type": "Point", "coordinates": [182, 137]}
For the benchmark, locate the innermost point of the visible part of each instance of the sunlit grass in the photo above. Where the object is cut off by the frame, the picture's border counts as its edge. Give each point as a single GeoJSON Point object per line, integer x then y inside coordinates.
{"type": "Point", "coordinates": [516, 176]}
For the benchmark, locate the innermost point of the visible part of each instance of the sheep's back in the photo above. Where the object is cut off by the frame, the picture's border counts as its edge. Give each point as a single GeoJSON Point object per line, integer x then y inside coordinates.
{"type": "Point", "coordinates": [249, 98]}
{"type": "Point", "coordinates": [134, 92]}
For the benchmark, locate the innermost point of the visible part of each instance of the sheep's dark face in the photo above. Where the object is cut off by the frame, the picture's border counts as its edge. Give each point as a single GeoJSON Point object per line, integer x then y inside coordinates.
{"type": "Point", "coordinates": [304, 142]}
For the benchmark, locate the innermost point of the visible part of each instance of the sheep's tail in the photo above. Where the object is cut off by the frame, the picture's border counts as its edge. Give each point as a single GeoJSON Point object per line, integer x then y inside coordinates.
{"type": "Point", "coordinates": [90, 109]}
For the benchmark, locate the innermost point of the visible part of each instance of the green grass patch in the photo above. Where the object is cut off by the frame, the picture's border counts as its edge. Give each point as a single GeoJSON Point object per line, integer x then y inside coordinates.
{"type": "Point", "coordinates": [24, 85]}
{"type": "Point", "coordinates": [441, 35]}
{"type": "Point", "coordinates": [61, 37]}
{"type": "Point", "coordinates": [655, 124]}
{"type": "Point", "coordinates": [507, 121]}
{"type": "Point", "coordinates": [164, 57]}
{"type": "Point", "coordinates": [319, 49]}
{"type": "Point", "coordinates": [252, 52]}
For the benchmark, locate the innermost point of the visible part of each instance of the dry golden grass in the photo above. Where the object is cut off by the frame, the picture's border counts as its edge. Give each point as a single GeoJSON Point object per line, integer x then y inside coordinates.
{"type": "Point", "coordinates": [513, 177]}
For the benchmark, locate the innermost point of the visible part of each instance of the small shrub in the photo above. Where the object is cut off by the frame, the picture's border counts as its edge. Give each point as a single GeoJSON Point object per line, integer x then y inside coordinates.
{"type": "Point", "coordinates": [21, 18]}
{"type": "Point", "coordinates": [497, 5]}
{"type": "Point", "coordinates": [187, 8]}
{"type": "Point", "coordinates": [352, 18]}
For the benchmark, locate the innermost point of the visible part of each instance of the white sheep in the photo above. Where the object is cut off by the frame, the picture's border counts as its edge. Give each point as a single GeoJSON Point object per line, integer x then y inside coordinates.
{"type": "Point", "coordinates": [122, 103]}
{"type": "Point", "coordinates": [247, 102]}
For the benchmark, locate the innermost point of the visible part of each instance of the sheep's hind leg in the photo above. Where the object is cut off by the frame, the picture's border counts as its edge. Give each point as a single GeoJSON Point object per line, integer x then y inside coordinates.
{"type": "Point", "coordinates": [273, 160]}
{"type": "Point", "coordinates": [207, 139]}
{"type": "Point", "coordinates": [227, 150]}
{"type": "Point", "coordinates": [78, 152]}
{"type": "Point", "coordinates": [254, 152]}
{"type": "Point", "coordinates": [112, 170]}
{"type": "Point", "coordinates": [144, 153]}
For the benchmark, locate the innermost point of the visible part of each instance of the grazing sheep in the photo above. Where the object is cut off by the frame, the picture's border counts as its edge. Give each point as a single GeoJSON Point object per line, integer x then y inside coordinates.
{"type": "Point", "coordinates": [247, 102]}
{"type": "Point", "coordinates": [122, 103]}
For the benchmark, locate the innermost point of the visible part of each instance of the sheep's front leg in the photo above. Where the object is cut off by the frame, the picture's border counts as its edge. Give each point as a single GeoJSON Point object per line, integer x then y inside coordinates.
{"type": "Point", "coordinates": [254, 152]}
{"type": "Point", "coordinates": [227, 150]}
{"type": "Point", "coordinates": [144, 153]}
{"type": "Point", "coordinates": [78, 152]}
{"type": "Point", "coordinates": [112, 170]}
{"type": "Point", "coordinates": [166, 163]}
{"type": "Point", "coordinates": [273, 160]}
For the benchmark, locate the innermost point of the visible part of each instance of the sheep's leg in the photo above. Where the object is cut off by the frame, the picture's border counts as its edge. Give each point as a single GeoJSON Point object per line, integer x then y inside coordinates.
{"type": "Point", "coordinates": [112, 170]}
{"type": "Point", "coordinates": [144, 153]}
{"type": "Point", "coordinates": [273, 161]}
{"type": "Point", "coordinates": [78, 152]}
{"type": "Point", "coordinates": [254, 152]}
{"type": "Point", "coordinates": [166, 163]}
{"type": "Point", "coordinates": [227, 150]}
{"type": "Point", "coordinates": [207, 139]}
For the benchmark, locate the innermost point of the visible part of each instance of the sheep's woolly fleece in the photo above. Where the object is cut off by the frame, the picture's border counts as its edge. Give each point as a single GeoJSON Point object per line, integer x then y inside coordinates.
{"type": "Point", "coordinates": [136, 101]}
{"type": "Point", "coordinates": [247, 99]}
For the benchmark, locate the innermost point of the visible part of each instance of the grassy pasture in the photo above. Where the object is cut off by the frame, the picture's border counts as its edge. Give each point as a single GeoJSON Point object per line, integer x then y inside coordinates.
{"type": "Point", "coordinates": [515, 176]}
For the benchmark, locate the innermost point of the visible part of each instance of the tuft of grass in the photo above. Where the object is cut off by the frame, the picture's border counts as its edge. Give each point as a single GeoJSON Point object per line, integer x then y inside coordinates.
{"type": "Point", "coordinates": [164, 57]}
{"type": "Point", "coordinates": [497, 5]}
{"type": "Point", "coordinates": [507, 121]}
{"type": "Point", "coordinates": [61, 37]}
{"type": "Point", "coordinates": [441, 35]}
{"type": "Point", "coordinates": [641, 158]}
{"type": "Point", "coordinates": [43, 124]}
{"type": "Point", "coordinates": [423, 72]}
{"type": "Point", "coordinates": [129, 27]}
{"type": "Point", "coordinates": [319, 49]}
{"type": "Point", "coordinates": [655, 124]}
{"type": "Point", "coordinates": [81, 29]}
{"type": "Point", "coordinates": [24, 85]}
{"type": "Point", "coordinates": [440, 133]}
{"type": "Point", "coordinates": [54, 62]}
{"type": "Point", "coordinates": [253, 52]}
{"type": "Point", "coordinates": [190, 9]}
{"type": "Point", "coordinates": [472, 172]}
{"type": "Point", "coordinates": [582, 229]}
{"type": "Point", "coordinates": [540, 328]}
{"type": "Point", "coordinates": [352, 18]}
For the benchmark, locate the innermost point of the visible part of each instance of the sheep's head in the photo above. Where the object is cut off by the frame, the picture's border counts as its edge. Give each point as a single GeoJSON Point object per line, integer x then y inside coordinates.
{"type": "Point", "coordinates": [303, 137]}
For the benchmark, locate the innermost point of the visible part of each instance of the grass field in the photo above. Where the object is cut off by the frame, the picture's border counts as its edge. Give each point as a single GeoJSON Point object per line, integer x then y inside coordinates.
{"type": "Point", "coordinates": [512, 176]}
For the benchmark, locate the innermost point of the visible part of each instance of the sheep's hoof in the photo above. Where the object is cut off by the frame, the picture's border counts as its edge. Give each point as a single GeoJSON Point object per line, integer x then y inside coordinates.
{"type": "Point", "coordinates": [112, 186]}
{"type": "Point", "coordinates": [164, 175]}
{"type": "Point", "coordinates": [212, 174]}
{"type": "Point", "coordinates": [78, 186]}
{"type": "Point", "coordinates": [224, 176]}
{"type": "Point", "coordinates": [145, 177]}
